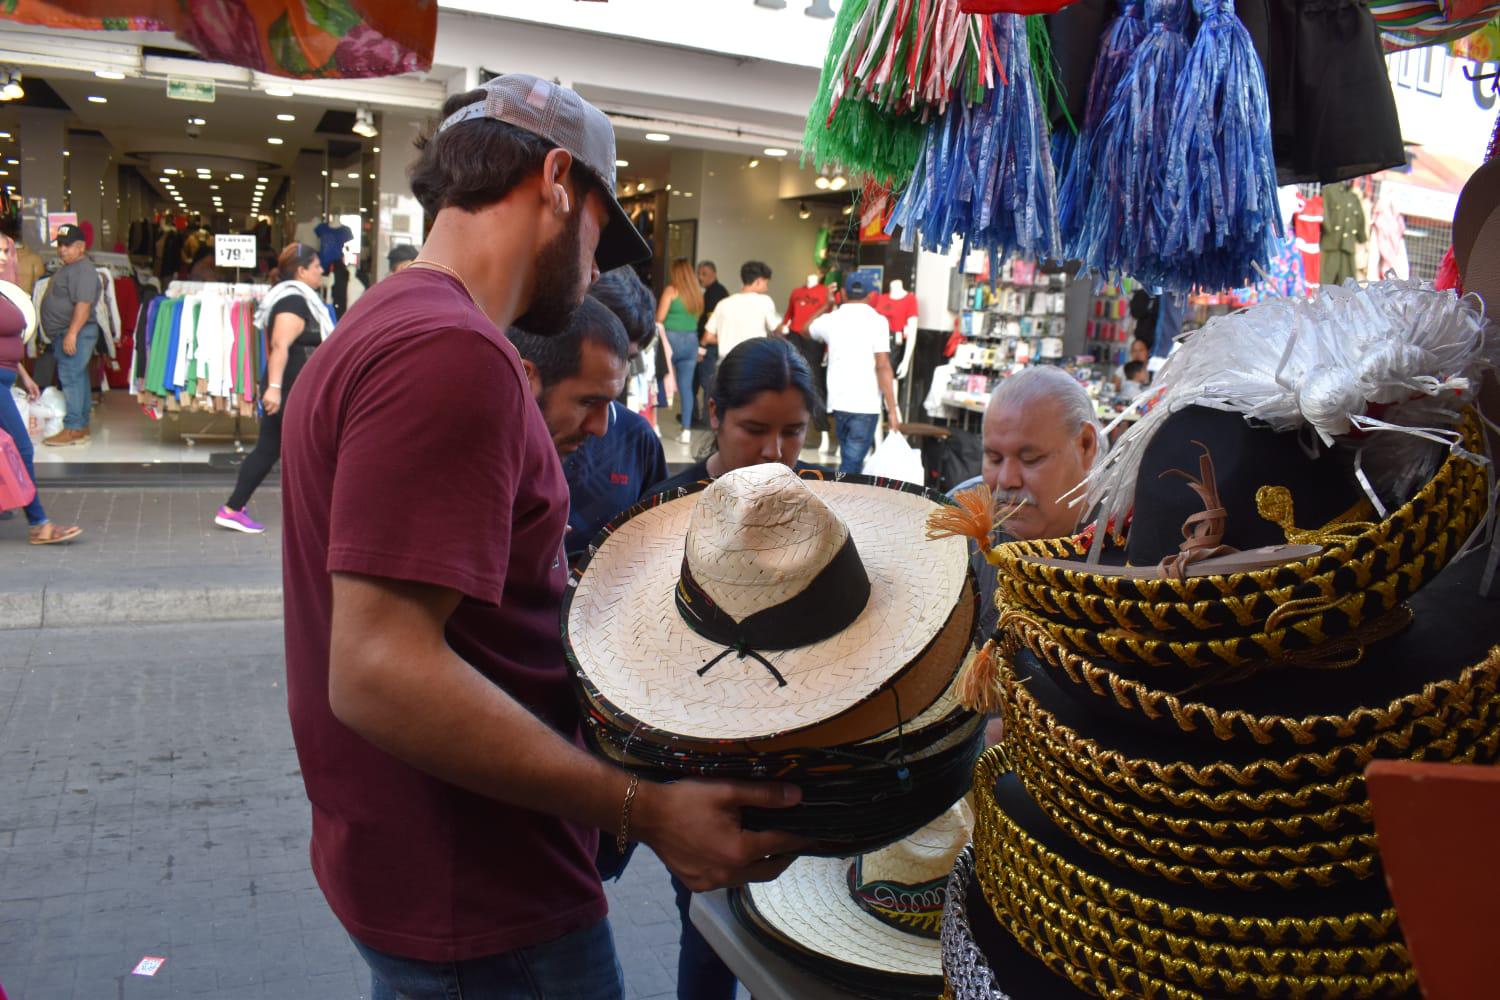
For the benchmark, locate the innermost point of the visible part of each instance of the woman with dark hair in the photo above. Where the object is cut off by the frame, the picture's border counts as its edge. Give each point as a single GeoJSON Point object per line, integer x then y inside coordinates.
{"type": "Point", "coordinates": [296, 322]}
{"type": "Point", "coordinates": [762, 405]}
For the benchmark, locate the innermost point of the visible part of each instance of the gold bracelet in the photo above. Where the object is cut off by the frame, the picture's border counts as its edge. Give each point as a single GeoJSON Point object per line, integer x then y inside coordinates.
{"type": "Point", "coordinates": [622, 839]}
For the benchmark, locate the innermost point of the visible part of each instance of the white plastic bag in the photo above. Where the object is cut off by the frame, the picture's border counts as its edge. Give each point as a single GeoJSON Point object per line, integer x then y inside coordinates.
{"type": "Point", "coordinates": [895, 459]}
{"type": "Point", "coordinates": [44, 418]}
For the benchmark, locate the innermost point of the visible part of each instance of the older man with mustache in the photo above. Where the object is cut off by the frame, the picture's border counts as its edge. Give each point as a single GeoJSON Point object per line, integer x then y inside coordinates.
{"type": "Point", "coordinates": [1041, 438]}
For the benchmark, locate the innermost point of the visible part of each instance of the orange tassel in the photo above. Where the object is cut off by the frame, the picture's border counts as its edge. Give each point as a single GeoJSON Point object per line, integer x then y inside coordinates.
{"type": "Point", "coordinates": [979, 681]}
{"type": "Point", "coordinates": [973, 517]}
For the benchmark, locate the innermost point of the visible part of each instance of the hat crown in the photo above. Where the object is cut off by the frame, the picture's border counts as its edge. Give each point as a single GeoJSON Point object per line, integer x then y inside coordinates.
{"type": "Point", "coordinates": [758, 536]}
{"type": "Point", "coordinates": [925, 857]}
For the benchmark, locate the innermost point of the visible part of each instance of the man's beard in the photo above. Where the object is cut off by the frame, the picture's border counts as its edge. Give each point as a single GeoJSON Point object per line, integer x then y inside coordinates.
{"type": "Point", "coordinates": [559, 276]}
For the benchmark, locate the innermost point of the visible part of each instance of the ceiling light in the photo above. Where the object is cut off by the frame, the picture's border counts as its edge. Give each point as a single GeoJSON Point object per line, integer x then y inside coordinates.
{"type": "Point", "coordinates": [354, 175]}
{"type": "Point", "coordinates": [754, 162]}
{"type": "Point", "coordinates": [621, 164]}
{"type": "Point", "coordinates": [273, 140]}
{"type": "Point", "coordinates": [4, 173]}
{"type": "Point", "coordinates": [260, 180]}
{"type": "Point", "coordinates": [286, 118]}
{"type": "Point", "coordinates": [821, 183]}
{"type": "Point", "coordinates": [803, 212]}
{"type": "Point", "coordinates": [213, 187]}
{"type": "Point", "coordinates": [165, 181]}
{"type": "Point", "coordinates": [333, 184]}
{"type": "Point", "coordinates": [375, 150]}
{"type": "Point", "coordinates": [669, 187]}
{"type": "Point", "coordinates": [169, 171]}
{"type": "Point", "coordinates": [687, 194]}
{"type": "Point", "coordinates": [67, 152]}
{"type": "Point", "coordinates": [364, 124]}
{"type": "Point", "coordinates": [109, 74]}
{"type": "Point", "coordinates": [363, 210]}
{"type": "Point", "coordinates": [839, 182]}
{"type": "Point", "coordinates": [774, 151]}
{"type": "Point", "coordinates": [96, 99]}
{"type": "Point", "coordinates": [370, 176]}
{"type": "Point", "coordinates": [195, 120]}
{"type": "Point", "coordinates": [325, 173]}
{"type": "Point", "coordinates": [204, 171]}
{"type": "Point", "coordinates": [280, 91]}
{"type": "Point", "coordinates": [4, 135]}
{"type": "Point", "coordinates": [658, 137]}
{"type": "Point", "coordinates": [15, 162]}
{"type": "Point", "coordinates": [848, 209]}
{"type": "Point", "coordinates": [236, 177]}
{"type": "Point", "coordinates": [13, 91]}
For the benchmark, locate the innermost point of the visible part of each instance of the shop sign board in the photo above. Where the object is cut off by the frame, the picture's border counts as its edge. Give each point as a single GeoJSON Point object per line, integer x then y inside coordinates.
{"type": "Point", "coordinates": [1438, 107]}
{"type": "Point", "coordinates": [56, 220]}
{"type": "Point", "coordinates": [235, 250]}
{"type": "Point", "coordinates": [191, 90]}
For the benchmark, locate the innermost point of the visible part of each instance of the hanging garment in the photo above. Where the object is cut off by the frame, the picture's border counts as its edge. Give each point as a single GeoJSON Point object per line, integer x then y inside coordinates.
{"type": "Point", "coordinates": [1343, 231]}
{"type": "Point", "coordinates": [1389, 231]}
{"type": "Point", "coordinates": [1307, 226]}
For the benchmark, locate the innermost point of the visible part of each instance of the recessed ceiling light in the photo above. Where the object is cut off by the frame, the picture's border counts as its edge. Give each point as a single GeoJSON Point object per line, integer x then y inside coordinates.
{"type": "Point", "coordinates": [96, 99]}
{"type": "Point", "coordinates": [280, 91]}
{"type": "Point", "coordinates": [774, 151]}
{"type": "Point", "coordinates": [354, 175]}
{"type": "Point", "coordinates": [622, 164]}
{"type": "Point", "coordinates": [169, 171]}
{"type": "Point", "coordinates": [16, 163]}
{"type": "Point", "coordinates": [325, 173]}
{"type": "Point", "coordinates": [204, 171]}
{"type": "Point", "coordinates": [4, 135]}
{"type": "Point", "coordinates": [333, 184]}
{"type": "Point", "coordinates": [67, 152]}
{"type": "Point", "coordinates": [375, 150]}
{"type": "Point", "coordinates": [165, 181]}
{"type": "Point", "coordinates": [195, 120]}
{"type": "Point", "coordinates": [273, 140]}
{"type": "Point", "coordinates": [236, 177]}
{"type": "Point", "coordinates": [213, 187]}
{"type": "Point", "coordinates": [658, 137]}
{"type": "Point", "coordinates": [109, 74]}
{"type": "Point", "coordinates": [286, 118]}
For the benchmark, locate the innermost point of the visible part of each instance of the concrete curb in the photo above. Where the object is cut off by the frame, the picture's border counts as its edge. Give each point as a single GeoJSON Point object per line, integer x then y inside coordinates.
{"type": "Point", "coordinates": [62, 606]}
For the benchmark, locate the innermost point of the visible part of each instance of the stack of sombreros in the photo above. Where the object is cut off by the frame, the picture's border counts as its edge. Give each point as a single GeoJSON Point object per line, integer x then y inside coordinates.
{"type": "Point", "coordinates": [1177, 808]}
{"type": "Point", "coordinates": [868, 925]}
{"type": "Point", "coordinates": [803, 629]}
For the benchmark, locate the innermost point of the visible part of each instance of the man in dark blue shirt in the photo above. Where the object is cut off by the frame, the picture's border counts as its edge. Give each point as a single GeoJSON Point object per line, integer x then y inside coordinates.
{"type": "Point", "coordinates": [610, 454]}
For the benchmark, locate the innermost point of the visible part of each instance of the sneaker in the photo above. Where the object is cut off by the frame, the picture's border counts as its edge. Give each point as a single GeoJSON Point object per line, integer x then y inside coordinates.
{"type": "Point", "coordinates": [686, 437]}
{"type": "Point", "coordinates": [238, 520]}
{"type": "Point", "coordinates": [66, 438]}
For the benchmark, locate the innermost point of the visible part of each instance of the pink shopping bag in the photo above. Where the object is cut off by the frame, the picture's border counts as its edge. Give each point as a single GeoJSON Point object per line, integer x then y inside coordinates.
{"type": "Point", "coordinates": [16, 487]}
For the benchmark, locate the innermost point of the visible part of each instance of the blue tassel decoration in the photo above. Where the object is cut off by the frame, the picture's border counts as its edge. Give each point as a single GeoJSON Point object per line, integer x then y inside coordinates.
{"type": "Point", "coordinates": [985, 174]}
{"type": "Point", "coordinates": [1225, 224]}
{"type": "Point", "coordinates": [1125, 222]}
{"type": "Point", "coordinates": [1116, 46]}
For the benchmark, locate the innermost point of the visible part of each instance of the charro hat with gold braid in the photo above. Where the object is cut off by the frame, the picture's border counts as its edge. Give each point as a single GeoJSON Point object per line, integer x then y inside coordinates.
{"type": "Point", "coordinates": [1177, 807]}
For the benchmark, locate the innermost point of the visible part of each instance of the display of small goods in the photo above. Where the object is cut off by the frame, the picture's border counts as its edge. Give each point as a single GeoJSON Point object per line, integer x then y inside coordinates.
{"type": "Point", "coordinates": [1014, 319]}
{"type": "Point", "coordinates": [1110, 326]}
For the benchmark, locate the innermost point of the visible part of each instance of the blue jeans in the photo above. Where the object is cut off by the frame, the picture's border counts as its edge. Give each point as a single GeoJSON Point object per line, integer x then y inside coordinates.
{"type": "Point", "coordinates": [684, 366]}
{"type": "Point", "coordinates": [12, 424]}
{"type": "Point", "coordinates": [701, 973]}
{"type": "Point", "coordinates": [856, 434]}
{"type": "Point", "coordinates": [577, 966]}
{"type": "Point", "coordinates": [73, 373]}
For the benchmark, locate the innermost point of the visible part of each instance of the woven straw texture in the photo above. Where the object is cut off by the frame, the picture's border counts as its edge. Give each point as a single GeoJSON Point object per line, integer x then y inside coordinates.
{"type": "Point", "coordinates": [631, 643]}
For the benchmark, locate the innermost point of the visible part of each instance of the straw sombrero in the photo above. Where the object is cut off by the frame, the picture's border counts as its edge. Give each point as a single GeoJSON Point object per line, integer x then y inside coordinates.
{"type": "Point", "coordinates": [877, 916]}
{"type": "Point", "coordinates": [766, 606]}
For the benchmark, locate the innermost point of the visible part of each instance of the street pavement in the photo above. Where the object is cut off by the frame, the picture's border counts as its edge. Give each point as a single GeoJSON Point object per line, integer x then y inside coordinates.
{"type": "Point", "coordinates": [151, 804]}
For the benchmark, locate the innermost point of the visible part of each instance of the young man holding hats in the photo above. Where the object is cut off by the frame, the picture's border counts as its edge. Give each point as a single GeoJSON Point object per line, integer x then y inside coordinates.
{"type": "Point", "coordinates": [859, 371]}
{"type": "Point", "coordinates": [455, 813]}
{"type": "Point", "coordinates": [67, 315]}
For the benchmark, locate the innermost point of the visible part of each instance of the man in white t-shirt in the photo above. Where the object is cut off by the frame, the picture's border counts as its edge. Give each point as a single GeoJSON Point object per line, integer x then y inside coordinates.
{"type": "Point", "coordinates": [746, 314]}
{"type": "Point", "coordinates": [859, 371]}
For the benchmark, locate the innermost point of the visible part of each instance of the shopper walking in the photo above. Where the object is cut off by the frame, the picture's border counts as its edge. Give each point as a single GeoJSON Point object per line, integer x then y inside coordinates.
{"type": "Point", "coordinates": [714, 292]}
{"type": "Point", "coordinates": [750, 312]}
{"type": "Point", "coordinates": [455, 812]}
{"type": "Point", "coordinates": [678, 310]}
{"type": "Point", "coordinates": [295, 322]}
{"type": "Point", "coordinates": [17, 326]}
{"type": "Point", "coordinates": [859, 371]}
{"type": "Point", "coordinates": [67, 315]}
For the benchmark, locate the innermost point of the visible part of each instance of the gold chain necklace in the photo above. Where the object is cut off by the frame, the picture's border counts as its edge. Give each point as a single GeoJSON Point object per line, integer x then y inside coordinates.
{"type": "Point", "coordinates": [423, 262]}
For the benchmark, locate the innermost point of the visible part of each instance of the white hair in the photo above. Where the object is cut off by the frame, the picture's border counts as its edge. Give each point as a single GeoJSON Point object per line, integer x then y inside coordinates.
{"type": "Point", "coordinates": [1031, 385]}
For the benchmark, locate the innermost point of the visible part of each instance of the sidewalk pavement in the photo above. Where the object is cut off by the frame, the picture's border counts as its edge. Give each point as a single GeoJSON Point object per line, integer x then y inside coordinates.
{"type": "Point", "coordinates": [146, 555]}
{"type": "Point", "coordinates": [151, 804]}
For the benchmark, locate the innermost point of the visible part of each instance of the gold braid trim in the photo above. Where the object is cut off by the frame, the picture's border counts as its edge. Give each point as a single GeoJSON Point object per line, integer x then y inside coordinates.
{"type": "Point", "coordinates": [1182, 785]}
{"type": "Point", "coordinates": [1454, 513]}
{"type": "Point", "coordinates": [1229, 724]}
{"type": "Point", "coordinates": [994, 831]}
{"type": "Point", "coordinates": [1094, 958]}
{"type": "Point", "coordinates": [1456, 476]}
{"type": "Point", "coordinates": [1278, 863]}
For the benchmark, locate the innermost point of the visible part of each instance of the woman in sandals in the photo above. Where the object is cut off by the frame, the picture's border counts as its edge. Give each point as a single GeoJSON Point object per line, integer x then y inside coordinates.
{"type": "Point", "coordinates": [17, 325]}
{"type": "Point", "coordinates": [295, 322]}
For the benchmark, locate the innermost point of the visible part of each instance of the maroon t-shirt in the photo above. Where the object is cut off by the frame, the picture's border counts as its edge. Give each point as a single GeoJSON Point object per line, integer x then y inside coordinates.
{"type": "Point", "coordinates": [414, 450]}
